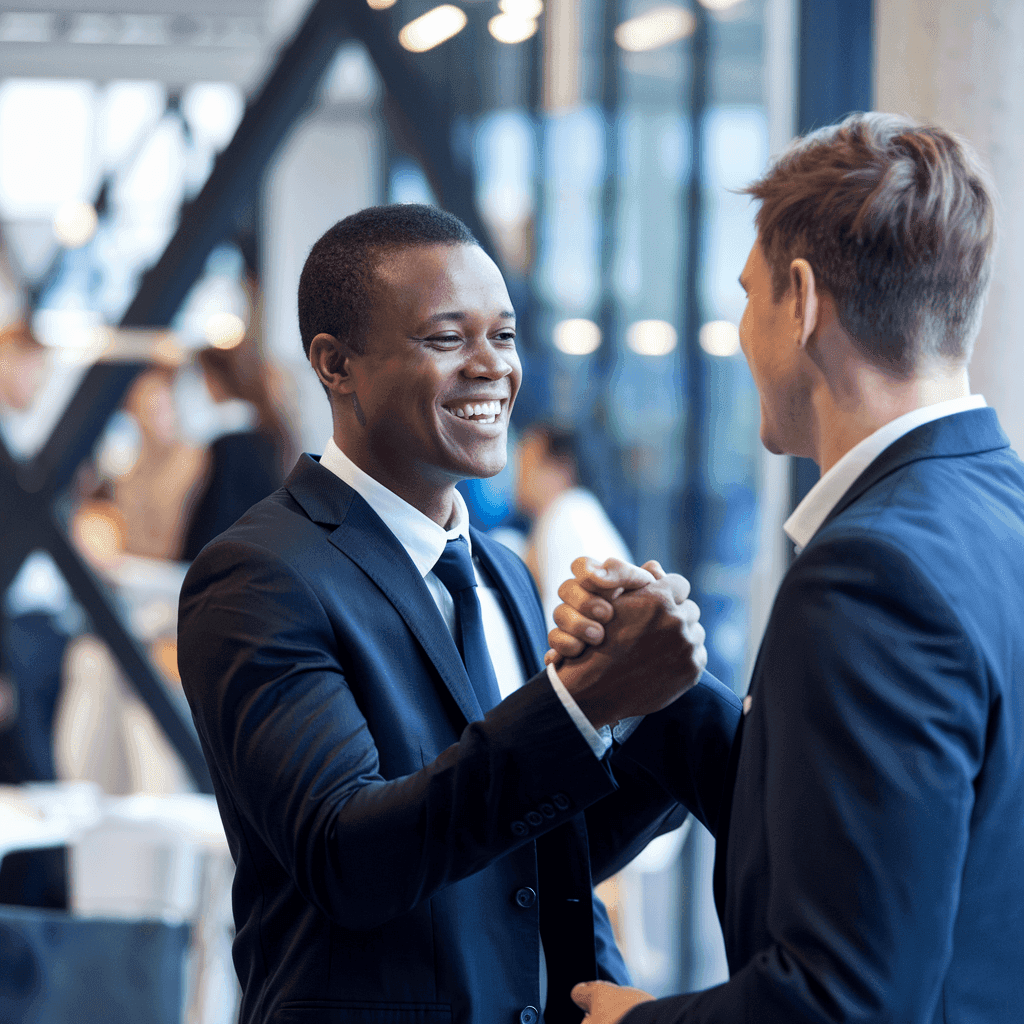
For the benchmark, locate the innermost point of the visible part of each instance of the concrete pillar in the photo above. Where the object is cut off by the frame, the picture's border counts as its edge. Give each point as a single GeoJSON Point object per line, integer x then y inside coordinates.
{"type": "Point", "coordinates": [961, 63]}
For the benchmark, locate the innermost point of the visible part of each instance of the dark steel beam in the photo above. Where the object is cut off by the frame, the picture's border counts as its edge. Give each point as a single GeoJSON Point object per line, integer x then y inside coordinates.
{"type": "Point", "coordinates": [695, 541]}
{"type": "Point", "coordinates": [172, 715]}
{"type": "Point", "coordinates": [425, 116]}
{"type": "Point", "coordinates": [29, 490]}
{"type": "Point", "coordinates": [207, 220]}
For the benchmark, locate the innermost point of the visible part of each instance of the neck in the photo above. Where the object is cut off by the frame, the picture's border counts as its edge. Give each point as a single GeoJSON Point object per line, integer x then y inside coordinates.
{"type": "Point", "coordinates": [846, 411]}
{"type": "Point", "coordinates": [435, 499]}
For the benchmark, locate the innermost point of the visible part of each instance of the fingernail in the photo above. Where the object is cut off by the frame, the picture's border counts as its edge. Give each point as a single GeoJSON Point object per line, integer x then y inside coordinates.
{"type": "Point", "coordinates": [600, 572]}
{"type": "Point", "coordinates": [593, 634]}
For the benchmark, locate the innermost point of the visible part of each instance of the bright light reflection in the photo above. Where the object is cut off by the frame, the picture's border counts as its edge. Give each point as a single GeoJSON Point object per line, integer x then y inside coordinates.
{"type": "Point", "coordinates": [46, 145]}
{"type": "Point", "coordinates": [528, 10]}
{"type": "Point", "coordinates": [213, 110]}
{"type": "Point", "coordinates": [433, 28]}
{"type": "Point", "coordinates": [74, 224]}
{"type": "Point", "coordinates": [719, 338]}
{"type": "Point", "coordinates": [651, 337]}
{"type": "Point", "coordinates": [508, 28]}
{"type": "Point", "coordinates": [719, 5]}
{"type": "Point", "coordinates": [380, 5]}
{"type": "Point", "coordinates": [656, 28]}
{"type": "Point", "coordinates": [224, 330]}
{"type": "Point", "coordinates": [577, 337]}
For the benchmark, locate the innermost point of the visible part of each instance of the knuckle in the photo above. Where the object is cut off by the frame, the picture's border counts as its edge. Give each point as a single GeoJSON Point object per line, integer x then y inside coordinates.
{"type": "Point", "coordinates": [581, 566]}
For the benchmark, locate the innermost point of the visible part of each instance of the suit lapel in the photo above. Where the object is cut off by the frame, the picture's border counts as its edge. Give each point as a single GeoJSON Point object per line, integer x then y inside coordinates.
{"type": "Point", "coordinates": [361, 536]}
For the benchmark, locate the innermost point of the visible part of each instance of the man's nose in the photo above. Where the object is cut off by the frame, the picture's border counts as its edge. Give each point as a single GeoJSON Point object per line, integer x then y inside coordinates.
{"type": "Point", "coordinates": [485, 359]}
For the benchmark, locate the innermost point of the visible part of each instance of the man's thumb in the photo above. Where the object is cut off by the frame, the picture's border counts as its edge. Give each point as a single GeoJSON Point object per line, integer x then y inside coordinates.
{"type": "Point", "coordinates": [581, 995]}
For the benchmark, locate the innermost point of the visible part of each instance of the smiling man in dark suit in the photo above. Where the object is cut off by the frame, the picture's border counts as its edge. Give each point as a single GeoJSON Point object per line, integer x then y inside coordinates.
{"type": "Point", "coordinates": [417, 809]}
{"type": "Point", "coordinates": [871, 838]}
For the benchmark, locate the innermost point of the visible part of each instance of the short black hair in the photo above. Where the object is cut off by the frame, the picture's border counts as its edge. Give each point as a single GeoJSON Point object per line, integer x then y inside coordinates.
{"type": "Point", "coordinates": [334, 287]}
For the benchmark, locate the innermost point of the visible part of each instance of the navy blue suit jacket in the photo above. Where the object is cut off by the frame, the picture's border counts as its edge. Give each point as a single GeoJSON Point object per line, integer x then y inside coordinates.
{"type": "Point", "coordinates": [870, 864]}
{"type": "Point", "coordinates": [397, 853]}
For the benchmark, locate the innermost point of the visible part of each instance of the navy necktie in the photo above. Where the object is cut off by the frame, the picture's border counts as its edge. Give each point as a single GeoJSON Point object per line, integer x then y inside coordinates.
{"type": "Point", "coordinates": [455, 570]}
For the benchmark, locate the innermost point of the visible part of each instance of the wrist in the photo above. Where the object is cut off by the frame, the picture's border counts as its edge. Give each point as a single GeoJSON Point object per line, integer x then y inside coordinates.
{"type": "Point", "coordinates": [580, 680]}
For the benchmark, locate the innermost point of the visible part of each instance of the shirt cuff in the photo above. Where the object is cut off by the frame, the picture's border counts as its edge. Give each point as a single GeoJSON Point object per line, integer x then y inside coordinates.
{"type": "Point", "coordinates": [599, 740]}
{"type": "Point", "coordinates": [625, 727]}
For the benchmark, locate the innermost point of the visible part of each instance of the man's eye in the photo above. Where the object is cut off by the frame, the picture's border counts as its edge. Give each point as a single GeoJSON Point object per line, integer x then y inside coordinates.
{"type": "Point", "coordinates": [444, 339]}
{"type": "Point", "coordinates": [506, 336]}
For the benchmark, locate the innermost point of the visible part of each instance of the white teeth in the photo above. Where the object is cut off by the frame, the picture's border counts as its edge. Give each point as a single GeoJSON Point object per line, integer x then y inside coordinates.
{"type": "Point", "coordinates": [482, 412]}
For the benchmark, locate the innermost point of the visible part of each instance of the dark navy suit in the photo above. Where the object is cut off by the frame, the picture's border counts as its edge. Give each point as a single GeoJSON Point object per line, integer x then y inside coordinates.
{"type": "Point", "coordinates": [398, 855]}
{"type": "Point", "coordinates": [870, 861]}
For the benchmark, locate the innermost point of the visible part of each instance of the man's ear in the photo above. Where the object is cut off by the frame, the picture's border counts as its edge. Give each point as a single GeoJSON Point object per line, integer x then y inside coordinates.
{"type": "Point", "coordinates": [803, 288]}
{"type": "Point", "coordinates": [330, 358]}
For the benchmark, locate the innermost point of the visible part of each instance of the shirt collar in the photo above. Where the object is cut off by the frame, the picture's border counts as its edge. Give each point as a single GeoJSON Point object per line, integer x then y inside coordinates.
{"type": "Point", "coordinates": [421, 537]}
{"type": "Point", "coordinates": [808, 516]}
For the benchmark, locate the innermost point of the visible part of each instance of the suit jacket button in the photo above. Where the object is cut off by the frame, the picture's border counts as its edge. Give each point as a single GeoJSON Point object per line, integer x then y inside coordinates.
{"type": "Point", "coordinates": [519, 828]}
{"type": "Point", "coordinates": [561, 801]}
{"type": "Point", "coordinates": [547, 810]}
{"type": "Point", "coordinates": [533, 818]}
{"type": "Point", "coordinates": [526, 897]}
{"type": "Point", "coordinates": [529, 1015]}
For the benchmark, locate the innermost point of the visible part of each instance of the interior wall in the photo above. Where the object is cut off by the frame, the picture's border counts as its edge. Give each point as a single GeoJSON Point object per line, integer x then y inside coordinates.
{"type": "Point", "coordinates": [961, 63]}
{"type": "Point", "coordinates": [327, 169]}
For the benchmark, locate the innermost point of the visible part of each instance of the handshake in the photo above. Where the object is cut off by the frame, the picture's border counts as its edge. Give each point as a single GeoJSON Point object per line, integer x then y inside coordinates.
{"type": "Point", "coordinates": [628, 641]}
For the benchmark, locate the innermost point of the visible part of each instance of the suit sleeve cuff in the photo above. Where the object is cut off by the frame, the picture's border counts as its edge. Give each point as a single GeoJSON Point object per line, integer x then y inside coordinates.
{"type": "Point", "coordinates": [599, 740]}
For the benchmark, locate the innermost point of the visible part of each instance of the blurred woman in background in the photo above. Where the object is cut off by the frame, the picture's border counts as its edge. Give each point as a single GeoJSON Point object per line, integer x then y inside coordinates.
{"type": "Point", "coordinates": [248, 460]}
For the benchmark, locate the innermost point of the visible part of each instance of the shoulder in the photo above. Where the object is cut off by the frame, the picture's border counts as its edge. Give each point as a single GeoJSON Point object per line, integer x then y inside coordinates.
{"type": "Point", "coordinates": [274, 536]}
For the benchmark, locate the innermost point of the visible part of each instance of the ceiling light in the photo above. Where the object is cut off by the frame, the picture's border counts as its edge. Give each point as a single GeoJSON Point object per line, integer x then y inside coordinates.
{"type": "Point", "coordinates": [528, 10]}
{"type": "Point", "coordinates": [509, 28]}
{"type": "Point", "coordinates": [224, 330]}
{"type": "Point", "coordinates": [658, 27]}
{"type": "Point", "coordinates": [651, 337]}
{"type": "Point", "coordinates": [577, 337]}
{"type": "Point", "coordinates": [74, 224]}
{"type": "Point", "coordinates": [380, 5]}
{"type": "Point", "coordinates": [719, 5]}
{"type": "Point", "coordinates": [719, 338]}
{"type": "Point", "coordinates": [433, 28]}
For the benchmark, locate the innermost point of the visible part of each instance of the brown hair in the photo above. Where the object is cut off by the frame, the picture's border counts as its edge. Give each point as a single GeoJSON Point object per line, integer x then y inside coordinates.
{"type": "Point", "coordinates": [242, 372]}
{"type": "Point", "coordinates": [897, 221]}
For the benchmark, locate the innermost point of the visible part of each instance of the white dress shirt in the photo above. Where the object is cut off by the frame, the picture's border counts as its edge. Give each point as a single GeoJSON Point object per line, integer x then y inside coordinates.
{"type": "Point", "coordinates": [808, 516]}
{"type": "Point", "coordinates": [424, 541]}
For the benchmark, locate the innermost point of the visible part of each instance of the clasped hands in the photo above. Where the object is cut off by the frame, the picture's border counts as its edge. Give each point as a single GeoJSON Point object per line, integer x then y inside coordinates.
{"type": "Point", "coordinates": [627, 641]}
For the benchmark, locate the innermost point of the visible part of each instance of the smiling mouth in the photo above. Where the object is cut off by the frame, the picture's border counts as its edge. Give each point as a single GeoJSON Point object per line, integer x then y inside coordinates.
{"type": "Point", "coordinates": [476, 412]}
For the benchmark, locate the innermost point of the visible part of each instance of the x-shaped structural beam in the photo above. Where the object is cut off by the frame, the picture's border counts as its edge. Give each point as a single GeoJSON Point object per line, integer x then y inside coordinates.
{"type": "Point", "coordinates": [32, 494]}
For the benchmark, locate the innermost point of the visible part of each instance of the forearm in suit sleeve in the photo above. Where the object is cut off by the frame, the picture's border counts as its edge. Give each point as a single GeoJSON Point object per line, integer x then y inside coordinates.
{"type": "Point", "coordinates": [874, 710]}
{"type": "Point", "coordinates": [294, 754]}
{"type": "Point", "coordinates": [675, 761]}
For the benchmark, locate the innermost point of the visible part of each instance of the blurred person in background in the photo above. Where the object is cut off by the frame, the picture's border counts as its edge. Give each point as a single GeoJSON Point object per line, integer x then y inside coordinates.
{"type": "Point", "coordinates": [154, 495]}
{"type": "Point", "coordinates": [22, 366]}
{"type": "Point", "coordinates": [167, 497]}
{"type": "Point", "coordinates": [567, 519]}
{"type": "Point", "coordinates": [246, 461]}
{"type": "Point", "coordinates": [31, 654]}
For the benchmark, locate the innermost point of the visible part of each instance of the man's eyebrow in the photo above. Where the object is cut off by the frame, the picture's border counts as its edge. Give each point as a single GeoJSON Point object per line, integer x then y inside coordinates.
{"type": "Point", "coordinates": [458, 315]}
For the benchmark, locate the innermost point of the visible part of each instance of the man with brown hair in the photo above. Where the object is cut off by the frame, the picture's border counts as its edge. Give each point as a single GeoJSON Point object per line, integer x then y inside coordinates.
{"type": "Point", "coordinates": [871, 831]}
